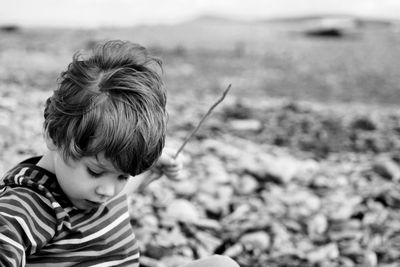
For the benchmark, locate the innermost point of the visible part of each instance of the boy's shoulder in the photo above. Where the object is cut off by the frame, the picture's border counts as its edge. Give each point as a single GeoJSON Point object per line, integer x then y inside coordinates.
{"type": "Point", "coordinates": [27, 174]}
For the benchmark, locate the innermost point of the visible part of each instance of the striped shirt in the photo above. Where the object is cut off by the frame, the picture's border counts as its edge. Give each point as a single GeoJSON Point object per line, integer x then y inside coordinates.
{"type": "Point", "coordinates": [40, 227]}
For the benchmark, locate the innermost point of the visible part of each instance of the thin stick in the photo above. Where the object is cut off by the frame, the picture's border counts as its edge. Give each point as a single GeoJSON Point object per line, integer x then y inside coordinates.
{"type": "Point", "coordinates": [154, 176]}
{"type": "Point", "coordinates": [202, 120]}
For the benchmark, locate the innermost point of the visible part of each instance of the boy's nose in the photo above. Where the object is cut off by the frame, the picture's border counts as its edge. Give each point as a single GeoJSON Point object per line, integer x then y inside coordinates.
{"type": "Point", "coordinates": [106, 190]}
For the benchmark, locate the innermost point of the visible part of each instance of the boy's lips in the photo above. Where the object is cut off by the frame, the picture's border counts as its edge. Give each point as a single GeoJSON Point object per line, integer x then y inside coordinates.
{"type": "Point", "coordinates": [93, 203]}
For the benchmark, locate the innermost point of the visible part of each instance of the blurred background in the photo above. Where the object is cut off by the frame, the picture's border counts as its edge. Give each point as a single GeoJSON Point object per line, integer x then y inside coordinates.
{"type": "Point", "coordinates": [298, 166]}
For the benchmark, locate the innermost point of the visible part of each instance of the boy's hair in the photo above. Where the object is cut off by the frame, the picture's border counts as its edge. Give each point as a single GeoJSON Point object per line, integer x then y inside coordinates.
{"type": "Point", "coordinates": [113, 103]}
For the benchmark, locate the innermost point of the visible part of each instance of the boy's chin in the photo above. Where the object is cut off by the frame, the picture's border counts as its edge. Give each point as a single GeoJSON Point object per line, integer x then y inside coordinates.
{"type": "Point", "coordinates": [85, 204]}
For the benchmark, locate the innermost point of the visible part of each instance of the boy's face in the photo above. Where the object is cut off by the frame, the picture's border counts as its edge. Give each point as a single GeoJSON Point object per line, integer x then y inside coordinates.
{"type": "Point", "coordinates": [90, 181]}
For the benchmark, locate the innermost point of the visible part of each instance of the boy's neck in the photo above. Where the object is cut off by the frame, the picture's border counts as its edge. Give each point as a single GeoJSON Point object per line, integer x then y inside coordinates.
{"type": "Point", "coordinates": [46, 162]}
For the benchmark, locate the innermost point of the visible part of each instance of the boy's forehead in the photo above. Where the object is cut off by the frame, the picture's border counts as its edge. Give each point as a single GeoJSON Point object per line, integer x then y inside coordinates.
{"type": "Point", "coordinates": [101, 161]}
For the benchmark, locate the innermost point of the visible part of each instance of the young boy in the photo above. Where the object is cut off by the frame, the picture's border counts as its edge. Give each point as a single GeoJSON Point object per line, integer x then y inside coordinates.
{"type": "Point", "coordinates": [104, 124]}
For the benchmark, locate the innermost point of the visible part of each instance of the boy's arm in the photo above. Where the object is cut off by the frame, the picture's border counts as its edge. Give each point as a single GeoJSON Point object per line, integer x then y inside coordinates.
{"type": "Point", "coordinates": [12, 252]}
{"type": "Point", "coordinates": [26, 224]}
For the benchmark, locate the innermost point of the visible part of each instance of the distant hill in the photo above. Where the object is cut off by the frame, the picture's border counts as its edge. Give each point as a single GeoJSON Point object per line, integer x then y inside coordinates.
{"type": "Point", "coordinates": [219, 32]}
{"type": "Point", "coordinates": [305, 18]}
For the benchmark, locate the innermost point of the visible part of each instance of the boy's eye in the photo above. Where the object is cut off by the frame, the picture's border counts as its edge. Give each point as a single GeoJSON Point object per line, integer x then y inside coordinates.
{"type": "Point", "coordinates": [93, 173]}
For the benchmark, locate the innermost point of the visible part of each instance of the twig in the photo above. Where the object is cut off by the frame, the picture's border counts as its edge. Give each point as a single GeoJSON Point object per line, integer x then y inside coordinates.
{"type": "Point", "coordinates": [155, 175]}
{"type": "Point", "coordinates": [202, 120]}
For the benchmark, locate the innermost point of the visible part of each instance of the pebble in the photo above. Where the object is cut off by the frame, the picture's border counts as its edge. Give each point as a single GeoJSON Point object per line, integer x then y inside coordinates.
{"type": "Point", "coordinates": [266, 167]}
{"type": "Point", "coordinates": [150, 221]}
{"type": "Point", "coordinates": [387, 168]}
{"type": "Point", "coordinates": [216, 171]}
{"type": "Point", "coordinates": [256, 240]}
{"type": "Point", "coordinates": [182, 210]}
{"type": "Point", "coordinates": [246, 184]}
{"type": "Point", "coordinates": [323, 253]}
{"type": "Point", "coordinates": [211, 203]}
{"type": "Point", "coordinates": [175, 260]}
{"type": "Point", "coordinates": [186, 188]}
{"type": "Point", "coordinates": [317, 225]}
{"type": "Point", "coordinates": [250, 125]}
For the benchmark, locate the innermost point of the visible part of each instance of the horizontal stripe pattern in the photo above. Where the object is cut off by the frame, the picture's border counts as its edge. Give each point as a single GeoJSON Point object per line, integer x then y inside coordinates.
{"type": "Point", "coordinates": [39, 228]}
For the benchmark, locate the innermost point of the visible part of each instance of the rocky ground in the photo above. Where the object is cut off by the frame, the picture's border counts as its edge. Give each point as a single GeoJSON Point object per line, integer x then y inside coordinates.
{"type": "Point", "coordinates": [268, 183]}
{"type": "Point", "coordinates": [287, 184]}
{"type": "Point", "coordinates": [282, 185]}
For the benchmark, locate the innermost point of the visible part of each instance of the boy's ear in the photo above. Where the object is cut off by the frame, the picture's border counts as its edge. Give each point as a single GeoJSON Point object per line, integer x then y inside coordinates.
{"type": "Point", "coordinates": [49, 142]}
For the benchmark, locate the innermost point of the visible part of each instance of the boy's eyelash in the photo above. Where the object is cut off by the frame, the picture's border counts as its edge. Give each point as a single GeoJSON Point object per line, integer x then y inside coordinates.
{"type": "Point", "coordinates": [94, 174]}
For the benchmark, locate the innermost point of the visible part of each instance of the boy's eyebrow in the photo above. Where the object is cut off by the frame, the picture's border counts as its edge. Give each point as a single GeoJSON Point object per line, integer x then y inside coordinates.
{"type": "Point", "coordinates": [108, 168]}
{"type": "Point", "coordinates": [98, 164]}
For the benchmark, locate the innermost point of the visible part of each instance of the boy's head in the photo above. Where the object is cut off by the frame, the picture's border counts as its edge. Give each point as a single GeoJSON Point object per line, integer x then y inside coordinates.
{"type": "Point", "coordinates": [112, 102]}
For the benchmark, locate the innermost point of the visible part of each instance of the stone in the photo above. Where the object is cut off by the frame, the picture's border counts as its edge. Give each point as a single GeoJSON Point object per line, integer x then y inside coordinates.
{"type": "Point", "coordinates": [387, 168]}
{"type": "Point", "coordinates": [215, 169]}
{"type": "Point", "coordinates": [317, 225]}
{"type": "Point", "coordinates": [175, 260]}
{"type": "Point", "coordinates": [251, 125]}
{"type": "Point", "coordinates": [170, 238]}
{"type": "Point", "coordinates": [149, 262]}
{"type": "Point", "coordinates": [182, 210]}
{"type": "Point", "coordinates": [212, 203]}
{"type": "Point", "coordinates": [323, 253]}
{"type": "Point", "coordinates": [222, 149]}
{"type": "Point", "coordinates": [256, 240]}
{"type": "Point", "coordinates": [208, 241]}
{"type": "Point", "coordinates": [157, 251]}
{"type": "Point", "coordinates": [234, 250]}
{"type": "Point", "coordinates": [186, 188]}
{"type": "Point", "coordinates": [342, 206]}
{"type": "Point", "coordinates": [266, 167]}
{"type": "Point", "coordinates": [246, 184]}
{"type": "Point", "coordinates": [300, 202]}
{"type": "Point", "coordinates": [392, 197]}
{"type": "Point", "coordinates": [150, 221]}
{"type": "Point", "coordinates": [208, 224]}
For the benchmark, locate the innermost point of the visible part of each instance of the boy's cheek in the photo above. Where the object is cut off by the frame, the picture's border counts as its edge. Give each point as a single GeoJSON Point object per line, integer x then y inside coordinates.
{"type": "Point", "coordinates": [122, 187]}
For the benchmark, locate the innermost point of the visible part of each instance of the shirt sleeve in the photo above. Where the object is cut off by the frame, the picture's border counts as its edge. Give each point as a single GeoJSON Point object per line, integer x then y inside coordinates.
{"type": "Point", "coordinates": [27, 223]}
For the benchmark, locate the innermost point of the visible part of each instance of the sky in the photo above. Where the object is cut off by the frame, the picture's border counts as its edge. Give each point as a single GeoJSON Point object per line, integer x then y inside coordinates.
{"type": "Point", "coordinates": [94, 13]}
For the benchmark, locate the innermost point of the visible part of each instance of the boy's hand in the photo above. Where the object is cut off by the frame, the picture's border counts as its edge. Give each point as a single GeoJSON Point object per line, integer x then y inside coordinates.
{"type": "Point", "coordinates": [168, 165]}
